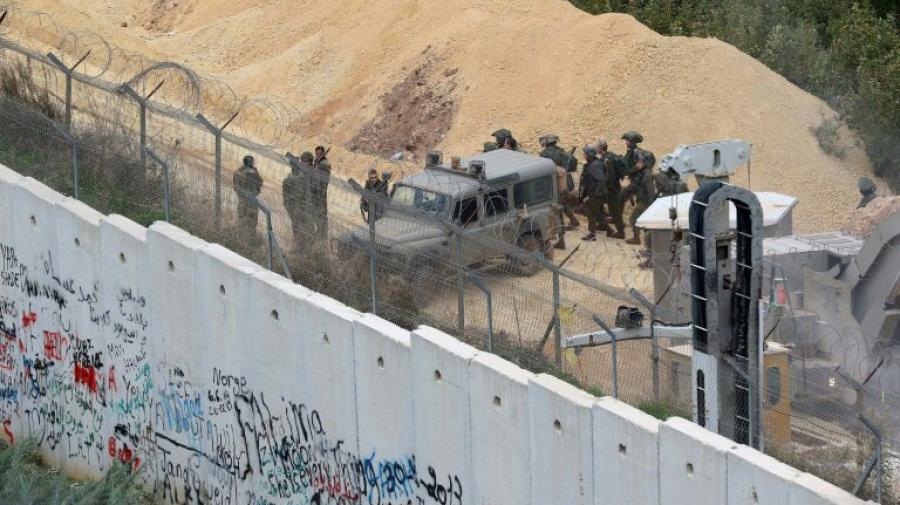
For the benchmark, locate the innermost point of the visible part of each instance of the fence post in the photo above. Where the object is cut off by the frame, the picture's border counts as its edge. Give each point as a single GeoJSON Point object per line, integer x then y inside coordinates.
{"type": "Point", "coordinates": [557, 324]}
{"type": "Point", "coordinates": [654, 340]}
{"type": "Point", "coordinates": [490, 310]}
{"type": "Point", "coordinates": [615, 358]}
{"type": "Point", "coordinates": [165, 168]}
{"type": "Point", "coordinates": [461, 294]}
{"type": "Point", "coordinates": [68, 71]}
{"type": "Point", "coordinates": [217, 133]}
{"type": "Point", "coordinates": [142, 104]}
{"type": "Point", "coordinates": [64, 132]}
{"type": "Point", "coordinates": [373, 254]}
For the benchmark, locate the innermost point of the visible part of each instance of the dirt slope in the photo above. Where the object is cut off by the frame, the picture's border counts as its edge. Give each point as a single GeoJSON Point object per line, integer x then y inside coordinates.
{"type": "Point", "coordinates": [534, 66]}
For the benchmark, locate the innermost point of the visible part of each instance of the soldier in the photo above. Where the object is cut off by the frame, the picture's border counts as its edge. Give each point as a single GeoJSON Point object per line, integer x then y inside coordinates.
{"type": "Point", "coordinates": [505, 139]}
{"type": "Point", "coordinates": [490, 146]}
{"type": "Point", "coordinates": [632, 139]}
{"type": "Point", "coordinates": [593, 191]}
{"type": "Point", "coordinates": [319, 179]}
{"type": "Point", "coordinates": [867, 189]}
{"type": "Point", "coordinates": [295, 195]}
{"type": "Point", "coordinates": [566, 165]}
{"type": "Point", "coordinates": [247, 184]}
{"type": "Point", "coordinates": [614, 200]}
{"type": "Point", "coordinates": [376, 185]}
{"type": "Point", "coordinates": [643, 191]}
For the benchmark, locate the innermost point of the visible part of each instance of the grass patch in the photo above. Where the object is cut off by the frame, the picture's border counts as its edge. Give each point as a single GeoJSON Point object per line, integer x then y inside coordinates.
{"type": "Point", "coordinates": [663, 411]}
{"type": "Point", "coordinates": [24, 479]}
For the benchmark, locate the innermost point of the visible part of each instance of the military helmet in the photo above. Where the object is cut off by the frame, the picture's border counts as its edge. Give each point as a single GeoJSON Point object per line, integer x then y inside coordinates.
{"type": "Point", "coordinates": [633, 136]}
{"type": "Point", "coordinates": [306, 156]}
{"type": "Point", "coordinates": [590, 150]}
{"type": "Point", "coordinates": [490, 146]}
{"type": "Point", "coordinates": [866, 185]}
{"type": "Point", "coordinates": [550, 139]}
{"type": "Point", "coordinates": [248, 160]}
{"type": "Point", "coordinates": [502, 133]}
{"type": "Point", "coordinates": [602, 145]}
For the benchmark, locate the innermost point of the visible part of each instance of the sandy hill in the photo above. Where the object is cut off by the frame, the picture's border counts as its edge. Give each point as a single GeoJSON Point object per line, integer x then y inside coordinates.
{"type": "Point", "coordinates": [383, 75]}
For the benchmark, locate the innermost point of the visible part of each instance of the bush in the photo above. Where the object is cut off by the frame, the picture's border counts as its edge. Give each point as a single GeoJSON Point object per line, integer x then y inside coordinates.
{"type": "Point", "coordinates": [829, 140]}
{"type": "Point", "coordinates": [664, 411]}
{"type": "Point", "coordinates": [25, 480]}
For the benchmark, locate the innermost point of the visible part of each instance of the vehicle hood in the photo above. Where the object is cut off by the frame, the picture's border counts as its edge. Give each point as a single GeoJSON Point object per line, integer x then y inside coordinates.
{"type": "Point", "coordinates": [391, 231]}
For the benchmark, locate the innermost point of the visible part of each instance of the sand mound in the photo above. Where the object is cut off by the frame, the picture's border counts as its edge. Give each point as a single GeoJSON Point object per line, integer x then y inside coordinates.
{"type": "Point", "coordinates": [534, 66]}
{"type": "Point", "coordinates": [864, 221]}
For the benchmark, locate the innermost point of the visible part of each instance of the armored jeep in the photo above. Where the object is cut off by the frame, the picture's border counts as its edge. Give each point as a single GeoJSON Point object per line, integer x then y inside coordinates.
{"type": "Point", "coordinates": [499, 199]}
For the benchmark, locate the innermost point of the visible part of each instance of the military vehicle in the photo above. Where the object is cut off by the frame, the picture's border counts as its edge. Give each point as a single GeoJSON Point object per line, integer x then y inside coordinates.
{"type": "Point", "coordinates": [498, 199]}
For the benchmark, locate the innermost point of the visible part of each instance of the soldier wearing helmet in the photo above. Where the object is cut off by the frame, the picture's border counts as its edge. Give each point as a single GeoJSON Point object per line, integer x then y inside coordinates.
{"type": "Point", "coordinates": [505, 139]}
{"type": "Point", "coordinates": [247, 184]}
{"type": "Point", "coordinates": [295, 193]}
{"type": "Point", "coordinates": [632, 139]}
{"type": "Point", "coordinates": [593, 192]}
{"type": "Point", "coordinates": [566, 165]}
{"type": "Point", "coordinates": [868, 191]}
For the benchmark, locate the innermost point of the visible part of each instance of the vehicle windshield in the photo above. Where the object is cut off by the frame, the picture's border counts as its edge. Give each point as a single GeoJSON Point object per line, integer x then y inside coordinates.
{"type": "Point", "coordinates": [421, 199]}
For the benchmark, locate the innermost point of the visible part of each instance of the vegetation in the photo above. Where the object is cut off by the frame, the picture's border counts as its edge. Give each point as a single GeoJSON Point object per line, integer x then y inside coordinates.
{"type": "Point", "coordinates": [845, 51]}
{"type": "Point", "coordinates": [25, 480]}
{"type": "Point", "coordinates": [664, 411]}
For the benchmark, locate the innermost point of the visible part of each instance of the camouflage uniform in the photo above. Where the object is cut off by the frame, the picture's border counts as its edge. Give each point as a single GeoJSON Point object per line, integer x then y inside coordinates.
{"type": "Point", "coordinates": [319, 180]}
{"type": "Point", "coordinates": [593, 189]}
{"type": "Point", "coordinates": [568, 164]}
{"type": "Point", "coordinates": [247, 184]}
{"type": "Point", "coordinates": [490, 146]}
{"type": "Point", "coordinates": [295, 192]}
{"type": "Point", "coordinates": [380, 186]}
{"type": "Point", "coordinates": [643, 191]}
{"type": "Point", "coordinates": [614, 200]}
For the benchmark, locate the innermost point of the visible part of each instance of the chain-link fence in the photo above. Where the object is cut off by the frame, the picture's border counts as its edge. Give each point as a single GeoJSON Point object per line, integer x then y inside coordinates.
{"type": "Point", "coordinates": [156, 141]}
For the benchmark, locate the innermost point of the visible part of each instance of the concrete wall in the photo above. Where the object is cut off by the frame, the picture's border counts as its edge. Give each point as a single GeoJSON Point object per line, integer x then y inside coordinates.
{"type": "Point", "coordinates": [227, 384]}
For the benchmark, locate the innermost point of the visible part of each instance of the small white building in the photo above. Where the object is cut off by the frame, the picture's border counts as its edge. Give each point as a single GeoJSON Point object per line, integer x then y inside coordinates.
{"type": "Point", "coordinates": [670, 288]}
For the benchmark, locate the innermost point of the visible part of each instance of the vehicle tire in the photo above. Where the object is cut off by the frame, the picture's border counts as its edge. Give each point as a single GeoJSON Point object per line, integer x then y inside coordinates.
{"type": "Point", "coordinates": [531, 243]}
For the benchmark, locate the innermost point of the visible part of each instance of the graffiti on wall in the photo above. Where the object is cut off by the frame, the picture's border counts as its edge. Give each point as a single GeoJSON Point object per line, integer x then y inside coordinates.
{"type": "Point", "coordinates": [77, 374]}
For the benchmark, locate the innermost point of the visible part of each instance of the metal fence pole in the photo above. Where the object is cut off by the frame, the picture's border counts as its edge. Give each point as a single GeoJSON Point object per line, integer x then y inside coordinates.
{"type": "Point", "coordinates": [373, 255]}
{"type": "Point", "coordinates": [65, 133]}
{"type": "Point", "coordinates": [217, 133]}
{"type": "Point", "coordinates": [165, 168]}
{"type": "Point", "coordinates": [557, 324]}
{"type": "Point", "coordinates": [490, 310]}
{"type": "Point", "coordinates": [461, 294]}
{"type": "Point", "coordinates": [68, 71]}
{"type": "Point", "coordinates": [874, 462]}
{"type": "Point", "coordinates": [615, 360]}
{"type": "Point", "coordinates": [654, 339]}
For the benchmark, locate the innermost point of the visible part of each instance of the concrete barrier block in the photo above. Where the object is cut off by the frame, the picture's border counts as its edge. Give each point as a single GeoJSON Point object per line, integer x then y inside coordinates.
{"type": "Point", "coordinates": [692, 464]}
{"type": "Point", "coordinates": [329, 380]}
{"type": "Point", "coordinates": [171, 256]}
{"type": "Point", "coordinates": [501, 440]}
{"type": "Point", "coordinates": [811, 490]}
{"type": "Point", "coordinates": [755, 478]}
{"type": "Point", "coordinates": [626, 457]}
{"type": "Point", "coordinates": [277, 356]}
{"type": "Point", "coordinates": [440, 384]}
{"type": "Point", "coordinates": [384, 409]}
{"type": "Point", "coordinates": [383, 388]}
{"type": "Point", "coordinates": [8, 183]}
{"type": "Point", "coordinates": [221, 294]}
{"type": "Point", "coordinates": [562, 463]}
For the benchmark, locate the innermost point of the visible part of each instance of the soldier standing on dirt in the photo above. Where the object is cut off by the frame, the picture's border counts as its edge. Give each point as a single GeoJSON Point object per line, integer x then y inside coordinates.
{"type": "Point", "coordinates": [320, 177]}
{"type": "Point", "coordinates": [247, 184]}
{"type": "Point", "coordinates": [593, 191]}
{"type": "Point", "coordinates": [295, 194]}
{"type": "Point", "coordinates": [643, 191]}
{"type": "Point", "coordinates": [378, 186]}
{"type": "Point", "coordinates": [614, 200]}
{"type": "Point", "coordinates": [566, 165]}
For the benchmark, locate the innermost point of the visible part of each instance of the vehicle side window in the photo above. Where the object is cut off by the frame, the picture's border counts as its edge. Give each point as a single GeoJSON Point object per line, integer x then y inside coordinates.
{"type": "Point", "coordinates": [466, 211]}
{"type": "Point", "coordinates": [533, 192]}
{"type": "Point", "coordinates": [496, 202]}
